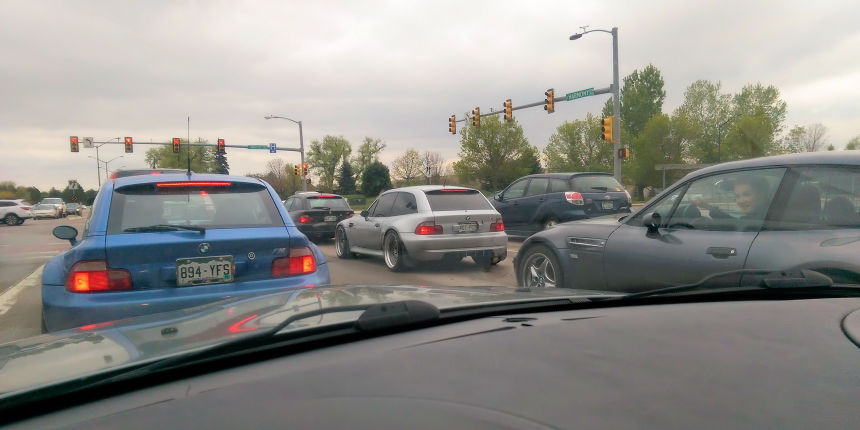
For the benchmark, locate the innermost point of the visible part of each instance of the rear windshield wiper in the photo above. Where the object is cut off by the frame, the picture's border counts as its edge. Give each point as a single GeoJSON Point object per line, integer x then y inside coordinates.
{"type": "Point", "coordinates": [164, 227]}
{"type": "Point", "coordinates": [765, 279]}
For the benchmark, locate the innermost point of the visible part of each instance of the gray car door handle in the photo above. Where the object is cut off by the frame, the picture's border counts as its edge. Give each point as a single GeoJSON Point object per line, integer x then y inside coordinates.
{"type": "Point", "coordinates": [376, 225]}
{"type": "Point", "coordinates": [351, 224]}
{"type": "Point", "coordinates": [721, 252]}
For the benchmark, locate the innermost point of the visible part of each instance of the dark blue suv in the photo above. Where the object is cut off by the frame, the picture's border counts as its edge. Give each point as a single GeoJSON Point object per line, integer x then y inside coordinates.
{"type": "Point", "coordinates": [537, 202]}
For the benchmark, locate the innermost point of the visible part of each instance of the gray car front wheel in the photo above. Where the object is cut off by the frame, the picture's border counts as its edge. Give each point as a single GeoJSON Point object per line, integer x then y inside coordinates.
{"type": "Point", "coordinates": [341, 244]}
{"type": "Point", "coordinates": [540, 268]}
{"type": "Point", "coordinates": [11, 219]}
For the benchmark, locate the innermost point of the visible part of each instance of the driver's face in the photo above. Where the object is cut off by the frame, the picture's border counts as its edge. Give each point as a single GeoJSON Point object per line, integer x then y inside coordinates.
{"type": "Point", "coordinates": [746, 198]}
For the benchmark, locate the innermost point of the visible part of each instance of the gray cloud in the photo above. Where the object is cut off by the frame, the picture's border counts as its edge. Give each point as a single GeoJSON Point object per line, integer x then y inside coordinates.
{"type": "Point", "coordinates": [391, 70]}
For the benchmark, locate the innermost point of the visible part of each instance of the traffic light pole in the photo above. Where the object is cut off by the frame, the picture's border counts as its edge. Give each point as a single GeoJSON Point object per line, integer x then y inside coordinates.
{"type": "Point", "coordinates": [616, 106]}
{"type": "Point", "coordinates": [302, 148]}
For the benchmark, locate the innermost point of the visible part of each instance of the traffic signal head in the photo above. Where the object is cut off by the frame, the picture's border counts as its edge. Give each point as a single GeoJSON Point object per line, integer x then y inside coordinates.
{"type": "Point", "coordinates": [606, 129]}
{"type": "Point", "coordinates": [176, 145]}
{"type": "Point", "coordinates": [305, 169]}
{"type": "Point", "coordinates": [128, 145]}
{"type": "Point", "coordinates": [476, 117]}
{"type": "Point", "coordinates": [222, 149]}
{"type": "Point", "coordinates": [452, 124]}
{"type": "Point", "coordinates": [624, 153]}
{"type": "Point", "coordinates": [549, 103]}
{"type": "Point", "coordinates": [509, 110]}
{"type": "Point", "coordinates": [296, 169]}
{"type": "Point", "coordinates": [73, 143]}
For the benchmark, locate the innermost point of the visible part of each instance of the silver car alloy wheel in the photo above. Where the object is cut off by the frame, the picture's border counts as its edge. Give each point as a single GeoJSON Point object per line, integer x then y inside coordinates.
{"type": "Point", "coordinates": [391, 251]}
{"type": "Point", "coordinates": [340, 242]}
{"type": "Point", "coordinates": [539, 272]}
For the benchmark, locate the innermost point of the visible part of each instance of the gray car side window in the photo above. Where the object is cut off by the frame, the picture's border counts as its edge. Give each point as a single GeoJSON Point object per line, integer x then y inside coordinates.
{"type": "Point", "coordinates": [517, 190]}
{"type": "Point", "coordinates": [384, 205]}
{"type": "Point", "coordinates": [404, 204]}
{"type": "Point", "coordinates": [664, 207]}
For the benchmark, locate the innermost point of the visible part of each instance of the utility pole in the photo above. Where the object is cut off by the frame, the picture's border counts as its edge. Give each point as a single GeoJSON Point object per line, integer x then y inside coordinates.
{"type": "Point", "coordinates": [616, 106]}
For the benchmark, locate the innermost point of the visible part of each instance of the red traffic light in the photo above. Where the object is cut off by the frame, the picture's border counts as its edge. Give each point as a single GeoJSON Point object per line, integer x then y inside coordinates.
{"type": "Point", "coordinates": [176, 145]}
{"type": "Point", "coordinates": [222, 149]}
{"type": "Point", "coordinates": [73, 143]}
{"type": "Point", "coordinates": [128, 145]}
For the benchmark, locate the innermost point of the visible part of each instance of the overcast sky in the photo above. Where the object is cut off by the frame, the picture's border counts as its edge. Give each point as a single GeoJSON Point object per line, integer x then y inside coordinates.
{"type": "Point", "coordinates": [390, 70]}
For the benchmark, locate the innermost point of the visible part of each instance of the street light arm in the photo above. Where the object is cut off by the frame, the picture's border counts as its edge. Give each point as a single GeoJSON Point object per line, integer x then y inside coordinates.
{"type": "Point", "coordinates": [578, 35]}
{"type": "Point", "coordinates": [281, 117]}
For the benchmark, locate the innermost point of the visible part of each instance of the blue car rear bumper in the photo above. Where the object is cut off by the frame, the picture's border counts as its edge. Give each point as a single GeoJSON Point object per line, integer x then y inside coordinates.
{"type": "Point", "coordinates": [64, 310]}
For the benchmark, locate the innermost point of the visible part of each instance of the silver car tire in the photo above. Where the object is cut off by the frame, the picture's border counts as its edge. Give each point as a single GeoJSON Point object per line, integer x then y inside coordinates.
{"type": "Point", "coordinates": [540, 269]}
{"type": "Point", "coordinates": [392, 251]}
{"type": "Point", "coordinates": [341, 244]}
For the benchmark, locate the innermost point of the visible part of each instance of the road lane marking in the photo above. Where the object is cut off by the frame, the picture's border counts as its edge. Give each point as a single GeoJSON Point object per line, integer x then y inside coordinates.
{"type": "Point", "coordinates": [9, 298]}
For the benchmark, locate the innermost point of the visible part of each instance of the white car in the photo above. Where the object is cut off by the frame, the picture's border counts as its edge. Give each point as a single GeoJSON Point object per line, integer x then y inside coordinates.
{"type": "Point", "coordinates": [57, 202]}
{"type": "Point", "coordinates": [46, 210]}
{"type": "Point", "coordinates": [14, 212]}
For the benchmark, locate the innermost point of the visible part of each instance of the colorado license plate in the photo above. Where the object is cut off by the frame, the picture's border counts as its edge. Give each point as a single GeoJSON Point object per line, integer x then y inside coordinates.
{"type": "Point", "coordinates": [330, 218]}
{"type": "Point", "coordinates": [608, 205]}
{"type": "Point", "coordinates": [204, 270]}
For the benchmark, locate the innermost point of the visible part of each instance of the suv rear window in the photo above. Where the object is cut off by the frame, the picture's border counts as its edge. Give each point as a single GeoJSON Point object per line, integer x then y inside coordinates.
{"type": "Point", "coordinates": [456, 200]}
{"type": "Point", "coordinates": [333, 203]}
{"type": "Point", "coordinates": [235, 206]}
{"type": "Point", "coordinates": [585, 184]}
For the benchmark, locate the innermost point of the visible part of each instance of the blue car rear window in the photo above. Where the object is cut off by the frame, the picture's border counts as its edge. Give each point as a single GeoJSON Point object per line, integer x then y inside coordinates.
{"type": "Point", "coordinates": [235, 206]}
{"type": "Point", "coordinates": [587, 184]}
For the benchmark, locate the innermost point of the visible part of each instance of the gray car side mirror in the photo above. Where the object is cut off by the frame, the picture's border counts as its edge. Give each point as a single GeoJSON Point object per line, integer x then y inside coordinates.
{"type": "Point", "coordinates": [497, 196]}
{"type": "Point", "coordinates": [652, 221]}
{"type": "Point", "coordinates": [364, 214]}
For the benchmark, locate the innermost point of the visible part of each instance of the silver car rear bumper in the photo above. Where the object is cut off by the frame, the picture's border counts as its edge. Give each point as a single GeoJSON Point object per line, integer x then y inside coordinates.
{"type": "Point", "coordinates": [434, 247]}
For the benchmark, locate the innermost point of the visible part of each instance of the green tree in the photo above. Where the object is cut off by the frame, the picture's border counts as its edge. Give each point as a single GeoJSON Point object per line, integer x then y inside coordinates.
{"type": "Point", "coordinates": [793, 141]}
{"type": "Point", "coordinates": [53, 192]}
{"type": "Point", "coordinates": [576, 147]}
{"type": "Point", "coordinates": [494, 154]}
{"type": "Point", "coordinates": [709, 112]}
{"type": "Point", "coordinates": [757, 100]}
{"type": "Point", "coordinates": [346, 179]}
{"type": "Point", "coordinates": [368, 152]}
{"type": "Point", "coordinates": [325, 156]}
{"type": "Point", "coordinates": [407, 168]}
{"type": "Point", "coordinates": [642, 97]}
{"type": "Point", "coordinates": [163, 157]}
{"type": "Point", "coordinates": [375, 179]}
{"type": "Point", "coordinates": [751, 136]}
{"type": "Point", "coordinates": [220, 164]}
{"type": "Point", "coordinates": [854, 143]}
{"type": "Point", "coordinates": [662, 141]}
{"type": "Point", "coordinates": [31, 194]}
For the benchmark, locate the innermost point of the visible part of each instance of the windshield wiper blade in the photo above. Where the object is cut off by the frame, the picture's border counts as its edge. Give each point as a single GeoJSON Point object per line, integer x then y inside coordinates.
{"type": "Point", "coordinates": [770, 279]}
{"type": "Point", "coordinates": [164, 227]}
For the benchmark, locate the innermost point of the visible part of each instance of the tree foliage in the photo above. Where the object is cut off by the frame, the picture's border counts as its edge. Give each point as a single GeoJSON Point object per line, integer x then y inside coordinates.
{"type": "Point", "coordinates": [854, 143]}
{"type": "Point", "coordinates": [220, 164]}
{"type": "Point", "coordinates": [325, 156]}
{"type": "Point", "coordinates": [662, 141]}
{"type": "Point", "coordinates": [642, 97]}
{"type": "Point", "coordinates": [407, 168]}
{"type": "Point", "coordinates": [279, 175]}
{"type": "Point", "coordinates": [346, 179]}
{"type": "Point", "coordinates": [368, 152]}
{"type": "Point", "coordinates": [375, 179]}
{"type": "Point", "coordinates": [163, 157]}
{"type": "Point", "coordinates": [494, 154]}
{"type": "Point", "coordinates": [576, 147]}
{"type": "Point", "coordinates": [432, 166]}
{"type": "Point", "coordinates": [8, 190]}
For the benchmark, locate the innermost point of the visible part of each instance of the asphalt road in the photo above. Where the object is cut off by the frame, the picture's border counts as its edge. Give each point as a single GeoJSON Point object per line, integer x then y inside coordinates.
{"type": "Point", "coordinates": [23, 251]}
{"type": "Point", "coordinates": [25, 248]}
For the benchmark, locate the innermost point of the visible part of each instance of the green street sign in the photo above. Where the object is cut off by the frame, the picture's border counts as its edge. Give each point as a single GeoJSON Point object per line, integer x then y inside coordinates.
{"type": "Point", "coordinates": [579, 94]}
{"type": "Point", "coordinates": [258, 147]}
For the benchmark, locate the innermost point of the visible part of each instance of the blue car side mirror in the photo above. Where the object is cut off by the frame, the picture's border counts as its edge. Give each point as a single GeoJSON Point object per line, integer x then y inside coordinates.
{"type": "Point", "coordinates": [66, 232]}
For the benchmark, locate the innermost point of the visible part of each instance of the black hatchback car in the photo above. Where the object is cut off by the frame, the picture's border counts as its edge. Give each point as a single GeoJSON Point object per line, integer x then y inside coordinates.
{"type": "Point", "coordinates": [316, 215]}
{"type": "Point", "coordinates": [537, 202]}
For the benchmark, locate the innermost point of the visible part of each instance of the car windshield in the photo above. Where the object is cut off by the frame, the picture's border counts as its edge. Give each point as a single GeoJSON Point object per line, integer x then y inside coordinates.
{"type": "Point", "coordinates": [193, 164]}
{"type": "Point", "coordinates": [333, 203]}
